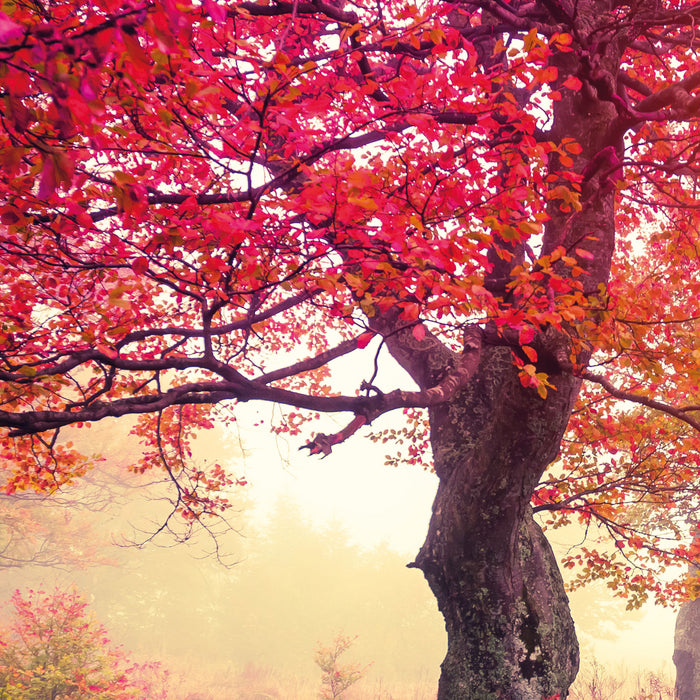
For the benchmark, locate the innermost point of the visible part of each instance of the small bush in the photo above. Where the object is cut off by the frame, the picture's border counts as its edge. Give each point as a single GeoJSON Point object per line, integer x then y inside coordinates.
{"type": "Point", "coordinates": [55, 650]}
{"type": "Point", "coordinates": [336, 679]}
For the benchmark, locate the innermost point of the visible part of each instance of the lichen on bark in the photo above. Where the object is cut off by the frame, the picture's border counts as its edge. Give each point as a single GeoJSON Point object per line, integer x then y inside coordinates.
{"type": "Point", "coordinates": [686, 655]}
{"type": "Point", "coordinates": [496, 580]}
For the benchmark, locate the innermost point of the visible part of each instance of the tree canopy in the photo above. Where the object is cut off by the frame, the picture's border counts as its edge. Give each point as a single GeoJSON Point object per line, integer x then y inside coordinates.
{"type": "Point", "coordinates": [205, 204]}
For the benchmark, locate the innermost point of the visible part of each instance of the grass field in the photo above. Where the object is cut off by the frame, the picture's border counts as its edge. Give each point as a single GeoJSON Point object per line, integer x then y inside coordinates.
{"type": "Point", "coordinates": [252, 682]}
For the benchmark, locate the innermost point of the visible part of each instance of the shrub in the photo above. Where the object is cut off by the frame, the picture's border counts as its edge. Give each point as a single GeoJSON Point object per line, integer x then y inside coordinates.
{"type": "Point", "coordinates": [336, 679]}
{"type": "Point", "coordinates": [54, 650]}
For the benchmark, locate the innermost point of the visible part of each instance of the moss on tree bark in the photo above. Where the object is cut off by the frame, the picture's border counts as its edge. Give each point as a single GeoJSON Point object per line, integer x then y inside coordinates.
{"type": "Point", "coordinates": [510, 634]}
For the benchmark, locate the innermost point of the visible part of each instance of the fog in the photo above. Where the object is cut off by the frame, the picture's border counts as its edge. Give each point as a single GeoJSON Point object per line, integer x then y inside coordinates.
{"type": "Point", "coordinates": [247, 620]}
{"type": "Point", "coordinates": [293, 572]}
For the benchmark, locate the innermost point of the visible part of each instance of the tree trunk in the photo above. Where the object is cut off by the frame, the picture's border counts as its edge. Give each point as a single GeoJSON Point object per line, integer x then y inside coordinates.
{"type": "Point", "coordinates": [686, 654]}
{"type": "Point", "coordinates": [510, 633]}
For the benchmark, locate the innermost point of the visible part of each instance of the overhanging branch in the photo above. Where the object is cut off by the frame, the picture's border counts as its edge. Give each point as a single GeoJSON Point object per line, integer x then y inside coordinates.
{"type": "Point", "coordinates": [466, 368]}
{"type": "Point", "coordinates": [679, 413]}
{"type": "Point", "coordinates": [236, 387]}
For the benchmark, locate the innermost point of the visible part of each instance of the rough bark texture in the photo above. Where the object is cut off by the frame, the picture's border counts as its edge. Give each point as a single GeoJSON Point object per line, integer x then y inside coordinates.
{"type": "Point", "coordinates": [686, 656]}
{"type": "Point", "coordinates": [510, 634]}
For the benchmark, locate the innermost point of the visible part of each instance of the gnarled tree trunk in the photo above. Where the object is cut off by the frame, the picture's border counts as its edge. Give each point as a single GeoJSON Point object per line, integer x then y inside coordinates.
{"type": "Point", "coordinates": [486, 560]}
{"type": "Point", "coordinates": [497, 583]}
{"type": "Point", "coordinates": [686, 654]}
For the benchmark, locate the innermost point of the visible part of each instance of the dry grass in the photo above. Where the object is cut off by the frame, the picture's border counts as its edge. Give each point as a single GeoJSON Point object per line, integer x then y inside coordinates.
{"type": "Point", "coordinates": [253, 682]}
{"type": "Point", "coordinates": [257, 682]}
{"type": "Point", "coordinates": [597, 682]}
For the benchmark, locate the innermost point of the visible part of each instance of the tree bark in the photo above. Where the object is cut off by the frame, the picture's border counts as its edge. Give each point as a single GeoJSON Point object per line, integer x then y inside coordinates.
{"type": "Point", "coordinates": [510, 634]}
{"type": "Point", "coordinates": [686, 654]}
{"type": "Point", "coordinates": [496, 580]}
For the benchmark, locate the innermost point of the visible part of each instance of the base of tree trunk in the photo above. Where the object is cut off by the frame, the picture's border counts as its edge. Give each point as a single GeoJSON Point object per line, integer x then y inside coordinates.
{"type": "Point", "coordinates": [510, 632]}
{"type": "Point", "coordinates": [686, 656]}
{"type": "Point", "coordinates": [510, 635]}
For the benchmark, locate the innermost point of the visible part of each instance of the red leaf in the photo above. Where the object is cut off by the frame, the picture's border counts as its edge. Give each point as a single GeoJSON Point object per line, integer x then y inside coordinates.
{"type": "Point", "coordinates": [140, 265]}
{"type": "Point", "coordinates": [364, 340]}
{"type": "Point", "coordinates": [47, 183]}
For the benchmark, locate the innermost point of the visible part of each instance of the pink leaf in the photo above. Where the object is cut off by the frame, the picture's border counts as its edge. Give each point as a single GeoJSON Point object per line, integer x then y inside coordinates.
{"type": "Point", "coordinates": [9, 30]}
{"type": "Point", "coordinates": [215, 11]}
{"type": "Point", "coordinates": [47, 184]}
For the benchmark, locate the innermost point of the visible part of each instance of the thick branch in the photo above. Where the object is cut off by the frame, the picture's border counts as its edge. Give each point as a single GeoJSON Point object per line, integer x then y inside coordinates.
{"type": "Point", "coordinates": [301, 8]}
{"type": "Point", "coordinates": [309, 364]}
{"type": "Point", "coordinates": [240, 324]}
{"type": "Point", "coordinates": [239, 388]}
{"type": "Point", "coordinates": [676, 97]}
{"type": "Point", "coordinates": [523, 20]}
{"type": "Point", "coordinates": [443, 392]}
{"type": "Point", "coordinates": [679, 413]}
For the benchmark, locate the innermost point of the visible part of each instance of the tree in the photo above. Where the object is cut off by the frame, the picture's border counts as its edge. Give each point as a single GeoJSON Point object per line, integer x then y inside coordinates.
{"type": "Point", "coordinates": [206, 204]}
{"type": "Point", "coordinates": [53, 649]}
{"type": "Point", "coordinates": [685, 654]}
{"type": "Point", "coordinates": [34, 533]}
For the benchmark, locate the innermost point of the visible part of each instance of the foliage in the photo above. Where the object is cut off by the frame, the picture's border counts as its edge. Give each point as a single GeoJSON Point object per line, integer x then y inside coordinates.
{"type": "Point", "coordinates": [54, 649]}
{"type": "Point", "coordinates": [59, 529]}
{"type": "Point", "coordinates": [32, 533]}
{"type": "Point", "coordinates": [336, 678]}
{"type": "Point", "coordinates": [205, 204]}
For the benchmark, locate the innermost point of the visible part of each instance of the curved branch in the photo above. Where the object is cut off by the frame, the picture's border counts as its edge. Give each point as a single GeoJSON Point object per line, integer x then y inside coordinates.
{"type": "Point", "coordinates": [677, 97]}
{"type": "Point", "coordinates": [679, 413]}
{"type": "Point", "coordinates": [311, 363]}
{"type": "Point", "coordinates": [238, 388]}
{"type": "Point", "coordinates": [466, 368]}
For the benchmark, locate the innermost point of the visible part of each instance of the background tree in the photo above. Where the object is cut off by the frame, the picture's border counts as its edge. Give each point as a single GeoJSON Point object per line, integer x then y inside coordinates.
{"type": "Point", "coordinates": [57, 529]}
{"type": "Point", "coordinates": [32, 533]}
{"type": "Point", "coordinates": [207, 204]}
{"type": "Point", "coordinates": [294, 584]}
{"type": "Point", "coordinates": [54, 649]}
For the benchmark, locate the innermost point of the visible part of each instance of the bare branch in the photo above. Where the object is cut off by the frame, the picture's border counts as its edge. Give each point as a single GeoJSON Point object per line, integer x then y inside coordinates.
{"type": "Point", "coordinates": [315, 362]}
{"type": "Point", "coordinates": [455, 380]}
